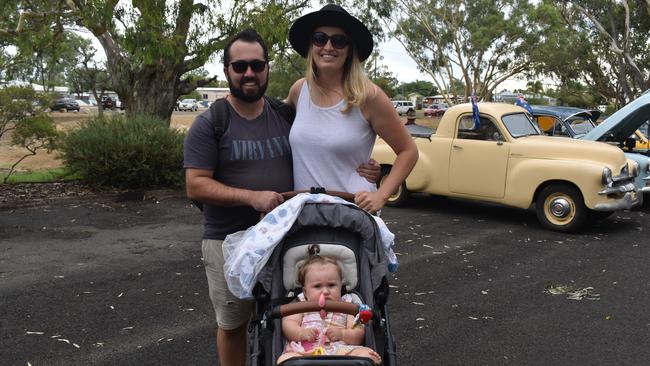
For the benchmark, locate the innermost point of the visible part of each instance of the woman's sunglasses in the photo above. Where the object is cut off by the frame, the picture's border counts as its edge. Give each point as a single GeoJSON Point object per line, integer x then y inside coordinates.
{"type": "Point", "coordinates": [320, 39]}
{"type": "Point", "coordinates": [240, 67]}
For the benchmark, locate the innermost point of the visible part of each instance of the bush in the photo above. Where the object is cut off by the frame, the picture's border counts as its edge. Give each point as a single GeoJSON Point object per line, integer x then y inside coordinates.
{"type": "Point", "coordinates": [133, 152]}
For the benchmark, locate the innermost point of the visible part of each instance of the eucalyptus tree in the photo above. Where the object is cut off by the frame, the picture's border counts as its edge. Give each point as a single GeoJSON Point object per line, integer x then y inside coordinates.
{"type": "Point", "coordinates": [35, 44]}
{"type": "Point", "coordinates": [480, 42]}
{"type": "Point", "coordinates": [151, 45]}
{"type": "Point", "coordinates": [610, 52]}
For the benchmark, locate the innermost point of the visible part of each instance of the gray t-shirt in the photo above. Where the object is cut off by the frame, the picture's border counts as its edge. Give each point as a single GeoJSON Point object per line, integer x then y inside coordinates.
{"type": "Point", "coordinates": [252, 154]}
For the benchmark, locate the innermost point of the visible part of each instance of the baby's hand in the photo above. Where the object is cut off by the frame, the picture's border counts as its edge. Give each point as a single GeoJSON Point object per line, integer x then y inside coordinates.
{"type": "Point", "coordinates": [308, 334]}
{"type": "Point", "coordinates": [334, 334]}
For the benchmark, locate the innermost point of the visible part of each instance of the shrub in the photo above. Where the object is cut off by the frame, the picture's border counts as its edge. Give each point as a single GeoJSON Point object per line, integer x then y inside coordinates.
{"type": "Point", "coordinates": [23, 116]}
{"type": "Point", "coordinates": [132, 152]}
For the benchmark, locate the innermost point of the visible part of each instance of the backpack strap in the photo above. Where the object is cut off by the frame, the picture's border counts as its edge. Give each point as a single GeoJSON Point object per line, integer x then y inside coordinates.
{"type": "Point", "coordinates": [220, 118]}
{"type": "Point", "coordinates": [287, 112]}
{"type": "Point", "coordinates": [220, 115]}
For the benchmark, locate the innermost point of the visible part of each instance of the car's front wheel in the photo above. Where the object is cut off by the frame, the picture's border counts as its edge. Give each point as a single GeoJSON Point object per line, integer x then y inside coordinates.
{"type": "Point", "coordinates": [399, 197]}
{"type": "Point", "coordinates": [560, 207]}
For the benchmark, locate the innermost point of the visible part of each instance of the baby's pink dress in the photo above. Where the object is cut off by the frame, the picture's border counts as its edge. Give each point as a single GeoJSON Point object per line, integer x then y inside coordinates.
{"type": "Point", "coordinates": [313, 320]}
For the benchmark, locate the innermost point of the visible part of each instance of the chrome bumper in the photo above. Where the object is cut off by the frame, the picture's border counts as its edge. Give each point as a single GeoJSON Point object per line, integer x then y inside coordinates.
{"type": "Point", "coordinates": [631, 199]}
{"type": "Point", "coordinates": [618, 189]}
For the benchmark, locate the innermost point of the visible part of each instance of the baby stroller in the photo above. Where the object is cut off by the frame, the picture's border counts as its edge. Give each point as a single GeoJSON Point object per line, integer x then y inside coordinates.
{"type": "Point", "coordinates": [342, 231]}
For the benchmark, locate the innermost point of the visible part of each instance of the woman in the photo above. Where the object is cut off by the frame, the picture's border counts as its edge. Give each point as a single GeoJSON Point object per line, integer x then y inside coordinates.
{"type": "Point", "coordinates": [339, 111]}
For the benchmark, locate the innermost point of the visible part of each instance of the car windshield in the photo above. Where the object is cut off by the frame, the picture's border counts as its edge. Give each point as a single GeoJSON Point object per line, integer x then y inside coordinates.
{"type": "Point", "coordinates": [519, 124]}
{"type": "Point", "coordinates": [644, 128]}
{"type": "Point", "coordinates": [187, 100]}
{"type": "Point", "coordinates": [581, 125]}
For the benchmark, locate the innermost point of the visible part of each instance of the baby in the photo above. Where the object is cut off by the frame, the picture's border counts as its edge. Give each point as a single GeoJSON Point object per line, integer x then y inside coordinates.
{"type": "Point", "coordinates": [308, 333]}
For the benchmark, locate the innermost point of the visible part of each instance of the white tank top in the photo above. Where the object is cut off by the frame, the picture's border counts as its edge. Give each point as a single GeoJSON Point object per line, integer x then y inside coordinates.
{"type": "Point", "coordinates": [327, 146]}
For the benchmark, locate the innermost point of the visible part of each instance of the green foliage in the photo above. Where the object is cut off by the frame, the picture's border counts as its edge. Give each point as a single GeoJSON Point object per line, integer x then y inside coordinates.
{"type": "Point", "coordinates": [133, 152]}
{"type": "Point", "coordinates": [381, 75]}
{"type": "Point", "coordinates": [421, 87]}
{"type": "Point", "coordinates": [22, 114]}
{"type": "Point", "coordinates": [285, 70]}
{"type": "Point", "coordinates": [193, 95]}
{"type": "Point", "coordinates": [43, 50]}
{"type": "Point", "coordinates": [152, 47]}
{"type": "Point", "coordinates": [575, 94]}
{"type": "Point", "coordinates": [601, 43]}
{"type": "Point", "coordinates": [480, 42]}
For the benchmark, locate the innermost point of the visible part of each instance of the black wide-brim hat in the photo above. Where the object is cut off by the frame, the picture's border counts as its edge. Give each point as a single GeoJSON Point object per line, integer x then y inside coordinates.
{"type": "Point", "coordinates": [330, 15]}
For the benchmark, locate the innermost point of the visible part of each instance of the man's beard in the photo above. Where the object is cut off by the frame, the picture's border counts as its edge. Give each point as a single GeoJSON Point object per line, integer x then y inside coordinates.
{"type": "Point", "coordinates": [240, 94]}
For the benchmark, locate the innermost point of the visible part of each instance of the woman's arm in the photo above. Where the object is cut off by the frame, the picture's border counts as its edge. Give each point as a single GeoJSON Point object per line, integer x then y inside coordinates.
{"type": "Point", "coordinates": [379, 111]}
{"type": "Point", "coordinates": [294, 92]}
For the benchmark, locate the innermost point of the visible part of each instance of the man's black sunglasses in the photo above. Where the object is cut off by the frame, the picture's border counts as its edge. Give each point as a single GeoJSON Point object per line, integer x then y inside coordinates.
{"type": "Point", "coordinates": [320, 39]}
{"type": "Point", "coordinates": [240, 67]}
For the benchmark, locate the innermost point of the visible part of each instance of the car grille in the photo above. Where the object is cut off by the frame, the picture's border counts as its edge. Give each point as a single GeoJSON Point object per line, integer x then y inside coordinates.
{"type": "Point", "coordinates": [621, 183]}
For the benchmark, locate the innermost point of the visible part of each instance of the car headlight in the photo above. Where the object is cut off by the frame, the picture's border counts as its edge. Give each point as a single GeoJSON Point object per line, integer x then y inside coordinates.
{"type": "Point", "coordinates": [607, 177]}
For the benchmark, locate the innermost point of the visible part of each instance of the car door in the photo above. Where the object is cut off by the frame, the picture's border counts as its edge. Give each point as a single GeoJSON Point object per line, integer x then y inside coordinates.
{"type": "Point", "coordinates": [478, 159]}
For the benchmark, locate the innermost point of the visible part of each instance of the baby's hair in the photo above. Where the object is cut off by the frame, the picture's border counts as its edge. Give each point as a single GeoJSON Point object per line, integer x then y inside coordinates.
{"type": "Point", "coordinates": [316, 258]}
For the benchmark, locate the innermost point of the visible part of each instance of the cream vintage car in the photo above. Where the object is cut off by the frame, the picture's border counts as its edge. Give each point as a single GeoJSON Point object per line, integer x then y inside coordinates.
{"type": "Point", "coordinates": [504, 159]}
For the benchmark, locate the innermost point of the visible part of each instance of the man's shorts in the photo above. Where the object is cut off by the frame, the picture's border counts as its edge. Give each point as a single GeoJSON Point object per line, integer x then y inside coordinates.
{"type": "Point", "coordinates": [231, 311]}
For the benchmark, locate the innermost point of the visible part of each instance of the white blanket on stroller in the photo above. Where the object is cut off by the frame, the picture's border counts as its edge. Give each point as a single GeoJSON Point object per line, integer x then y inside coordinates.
{"type": "Point", "coordinates": [246, 252]}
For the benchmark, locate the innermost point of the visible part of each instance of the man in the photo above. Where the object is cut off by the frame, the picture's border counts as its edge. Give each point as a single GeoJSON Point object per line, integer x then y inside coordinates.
{"type": "Point", "coordinates": [239, 178]}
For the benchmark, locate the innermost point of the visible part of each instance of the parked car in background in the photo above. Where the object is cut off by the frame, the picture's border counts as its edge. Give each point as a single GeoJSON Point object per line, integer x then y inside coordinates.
{"type": "Point", "coordinates": [188, 105]}
{"type": "Point", "coordinates": [435, 109]}
{"type": "Point", "coordinates": [504, 159]}
{"type": "Point", "coordinates": [65, 104]}
{"type": "Point", "coordinates": [621, 128]}
{"type": "Point", "coordinates": [110, 103]}
{"type": "Point", "coordinates": [564, 121]}
{"type": "Point", "coordinates": [578, 123]}
{"type": "Point", "coordinates": [642, 145]}
{"type": "Point", "coordinates": [403, 106]}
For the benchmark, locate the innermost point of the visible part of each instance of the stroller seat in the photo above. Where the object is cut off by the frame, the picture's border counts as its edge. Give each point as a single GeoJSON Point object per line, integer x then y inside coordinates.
{"type": "Point", "coordinates": [347, 234]}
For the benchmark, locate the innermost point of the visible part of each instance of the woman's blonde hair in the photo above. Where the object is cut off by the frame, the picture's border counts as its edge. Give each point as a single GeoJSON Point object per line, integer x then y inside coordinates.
{"type": "Point", "coordinates": [356, 84]}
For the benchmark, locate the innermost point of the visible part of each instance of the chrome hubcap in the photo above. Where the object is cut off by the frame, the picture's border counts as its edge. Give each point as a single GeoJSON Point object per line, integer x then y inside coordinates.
{"type": "Point", "coordinates": [560, 207]}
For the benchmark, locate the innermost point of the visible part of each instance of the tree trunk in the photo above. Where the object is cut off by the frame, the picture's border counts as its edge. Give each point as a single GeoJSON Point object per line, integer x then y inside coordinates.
{"type": "Point", "coordinates": [151, 92]}
{"type": "Point", "coordinates": [148, 90]}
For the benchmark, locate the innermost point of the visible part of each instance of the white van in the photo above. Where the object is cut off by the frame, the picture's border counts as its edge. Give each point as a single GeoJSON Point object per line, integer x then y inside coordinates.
{"type": "Point", "coordinates": [403, 106]}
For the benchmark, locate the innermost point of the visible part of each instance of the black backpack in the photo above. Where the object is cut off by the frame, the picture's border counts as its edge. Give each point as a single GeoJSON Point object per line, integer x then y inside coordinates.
{"type": "Point", "coordinates": [220, 118]}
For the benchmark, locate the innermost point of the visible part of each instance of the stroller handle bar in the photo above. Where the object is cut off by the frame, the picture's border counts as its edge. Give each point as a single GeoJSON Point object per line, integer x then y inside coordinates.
{"type": "Point", "coordinates": [345, 195]}
{"type": "Point", "coordinates": [280, 311]}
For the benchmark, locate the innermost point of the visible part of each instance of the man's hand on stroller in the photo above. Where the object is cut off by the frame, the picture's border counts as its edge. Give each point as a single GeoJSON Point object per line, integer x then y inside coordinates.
{"type": "Point", "coordinates": [265, 201]}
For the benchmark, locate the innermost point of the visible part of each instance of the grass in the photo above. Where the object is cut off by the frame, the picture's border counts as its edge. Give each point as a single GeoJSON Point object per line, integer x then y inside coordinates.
{"type": "Point", "coordinates": [39, 176]}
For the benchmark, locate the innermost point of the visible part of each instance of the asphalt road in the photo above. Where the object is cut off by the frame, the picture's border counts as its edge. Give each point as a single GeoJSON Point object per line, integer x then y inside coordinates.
{"type": "Point", "coordinates": [106, 283]}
